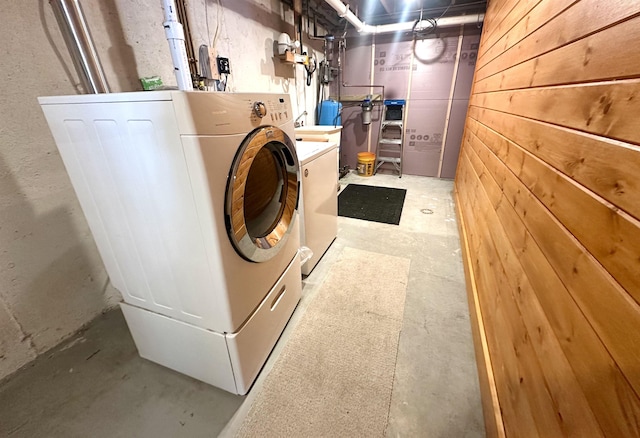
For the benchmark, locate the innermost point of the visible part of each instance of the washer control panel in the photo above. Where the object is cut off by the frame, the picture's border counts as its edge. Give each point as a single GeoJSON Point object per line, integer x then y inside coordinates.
{"type": "Point", "coordinates": [270, 109]}
{"type": "Point", "coordinates": [279, 110]}
{"type": "Point", "coordinates": [215, 113]}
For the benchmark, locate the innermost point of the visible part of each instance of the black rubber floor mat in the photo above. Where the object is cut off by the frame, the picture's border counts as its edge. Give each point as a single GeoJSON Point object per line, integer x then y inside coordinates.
{"type": "Point", "coordinates": [371, 203]}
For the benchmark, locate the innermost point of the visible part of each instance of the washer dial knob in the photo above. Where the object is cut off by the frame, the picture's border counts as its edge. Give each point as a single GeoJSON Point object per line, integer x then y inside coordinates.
{"type": "Point", "coordinates": [260, 109]}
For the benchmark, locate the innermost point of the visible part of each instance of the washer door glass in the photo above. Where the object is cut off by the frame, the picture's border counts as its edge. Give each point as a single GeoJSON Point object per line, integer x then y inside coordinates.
{"type": "Point", "coordinates": [262, 194]}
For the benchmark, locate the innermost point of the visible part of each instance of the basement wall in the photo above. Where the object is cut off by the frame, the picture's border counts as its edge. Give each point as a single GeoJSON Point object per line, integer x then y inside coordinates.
{"type": "Point", "coordinates": [421, 71]}
{"type": "Point", "coordinates": [52, 280]}
{"type": "Point", "coordinates": [548, 196]}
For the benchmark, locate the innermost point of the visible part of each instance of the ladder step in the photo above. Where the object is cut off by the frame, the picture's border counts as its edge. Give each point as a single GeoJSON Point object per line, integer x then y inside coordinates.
{"type": "Point", "coordinates": [392, 123]}
{"type": "Point", "coordinates": [390, 141]}
{"type": "Point", "coordinates": [388, 159]}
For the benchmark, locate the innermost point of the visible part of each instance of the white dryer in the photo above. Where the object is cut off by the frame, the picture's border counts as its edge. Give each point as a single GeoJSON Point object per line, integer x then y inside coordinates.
{"type": "Point", "coordinates": [192, 200]}
{"type": "Point", "coordinates": [318, 198]}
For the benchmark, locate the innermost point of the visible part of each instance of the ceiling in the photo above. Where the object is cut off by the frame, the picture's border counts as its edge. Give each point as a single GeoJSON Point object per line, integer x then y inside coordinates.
{"type": "Point", "coordinates": [376, 12]}
{"type": "Point", "coordinates": [394, 11]}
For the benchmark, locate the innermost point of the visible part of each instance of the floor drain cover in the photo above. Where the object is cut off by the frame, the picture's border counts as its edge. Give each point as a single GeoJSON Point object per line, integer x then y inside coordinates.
{"type": "Point", "coordinates": [426, 211]}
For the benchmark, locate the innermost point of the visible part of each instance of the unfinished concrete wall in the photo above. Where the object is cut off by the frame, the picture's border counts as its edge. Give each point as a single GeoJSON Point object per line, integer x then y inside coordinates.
{"type": "Point", "coordinates": [52, 280]}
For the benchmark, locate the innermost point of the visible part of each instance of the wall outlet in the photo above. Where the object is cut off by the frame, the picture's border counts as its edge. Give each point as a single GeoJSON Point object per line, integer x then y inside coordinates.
{"type": "Point", "coordinates": [223, 65]}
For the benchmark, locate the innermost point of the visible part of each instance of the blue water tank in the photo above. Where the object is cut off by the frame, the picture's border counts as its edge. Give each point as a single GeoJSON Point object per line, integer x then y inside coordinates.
{"type": "Point", "coordinates": [329, 113]}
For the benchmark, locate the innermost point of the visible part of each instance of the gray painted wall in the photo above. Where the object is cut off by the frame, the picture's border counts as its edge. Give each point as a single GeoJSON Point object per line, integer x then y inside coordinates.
{"type": "Point", "coordinates": [52, 280]}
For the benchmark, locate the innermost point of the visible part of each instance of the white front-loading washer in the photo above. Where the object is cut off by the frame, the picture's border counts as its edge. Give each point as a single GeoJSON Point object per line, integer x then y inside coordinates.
{"type": "Point", "coordinates": [192, 200]}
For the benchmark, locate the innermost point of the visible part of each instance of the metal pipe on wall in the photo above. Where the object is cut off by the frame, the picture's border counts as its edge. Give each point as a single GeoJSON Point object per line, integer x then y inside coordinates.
{"type": "Point", "coordinates": [343, 66]}
{"type": "Point", "coordinates": [183, 18]}
{"type": "Point", "coordinates": [78, 39]}
{"type": "Point", "coordinates": [344, 12]}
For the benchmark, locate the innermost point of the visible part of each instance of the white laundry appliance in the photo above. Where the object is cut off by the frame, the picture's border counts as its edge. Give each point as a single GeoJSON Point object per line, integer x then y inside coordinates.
{"type": "Point", "coordinates": [329, 133]}
{"type": "Point", "coordinates": [192, 200]}
{"type": "Point", "coordinates": [319, 198]}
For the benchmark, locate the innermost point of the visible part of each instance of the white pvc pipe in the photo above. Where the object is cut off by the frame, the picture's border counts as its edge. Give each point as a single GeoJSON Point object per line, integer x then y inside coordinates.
{"type": "Point", "coordinates": [175, 36]}
{"type": "Point", "coordinates": [461, 19]}
{"type": "Point", "coordinates": [344, 12]}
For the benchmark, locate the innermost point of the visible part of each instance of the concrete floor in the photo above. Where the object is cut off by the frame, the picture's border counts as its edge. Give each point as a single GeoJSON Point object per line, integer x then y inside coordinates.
{"type": "Point", "coordinates": [96, 385]}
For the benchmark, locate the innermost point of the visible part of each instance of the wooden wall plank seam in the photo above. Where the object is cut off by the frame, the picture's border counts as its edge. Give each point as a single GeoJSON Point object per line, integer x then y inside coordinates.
{"type": "Point", "coordinates": [583, 19]}
{"type": "Point", "coordinates": [608, 307]}
{"type": "Point", "coordinates": [544, 12]}
{"type": "Point", "coordinates": [513, 401]}
{"type": "Point", "coordinates": [577, 336]}
{"type": "Point", "coordinates": [494, 25]}
{"type": "Point", "coordinates": [610, 235]}
{"type": "Point", "coordinates": [608, 109]}
{"type": "Point", "coordinates": [549, 186]}
{"type": "Point", "coordinates": [498, 15]}
{"type": "Point", "coordinates": [567, 401]}
{"type": "Point", "coordinates": [517, 14]}
{"type": "Point", "coordinates": [490, 405]}
{"type": "Point", "coordinates": [607, 167]}
{"type": "Point", "coordinates": [600, 55]}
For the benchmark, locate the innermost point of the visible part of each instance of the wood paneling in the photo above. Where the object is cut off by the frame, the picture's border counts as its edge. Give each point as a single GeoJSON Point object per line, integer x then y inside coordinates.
{"type": "Point", "coordinates": [533, 20]}
{"type": "Point", "coordinates": [520, 10]}
{"type": "Point", "coordinates": [548, 193]}
{"type": "Point", "coordinates": [599, 54]}
{"type": "Point", "coordinates": [581, 19]}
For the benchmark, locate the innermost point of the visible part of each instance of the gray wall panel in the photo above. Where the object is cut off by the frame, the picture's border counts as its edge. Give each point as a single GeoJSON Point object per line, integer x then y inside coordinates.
{"type": "Point", "coordinates": [467, 66]}
{"type": "Point", "coordinates": [434, 62]}
{"type": "Point", "coordinates": [357, 64]}
{"type": "Point", "coordinates": [392, 62]}
{"type": "Point", "coordinates": [423, 136]}
{"type": "Point", "coordinates": [454, 138]}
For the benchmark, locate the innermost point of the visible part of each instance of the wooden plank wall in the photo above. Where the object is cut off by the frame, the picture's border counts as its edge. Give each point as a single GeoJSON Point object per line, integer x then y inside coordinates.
{"type": "Point", "coordinates": [548, 195]}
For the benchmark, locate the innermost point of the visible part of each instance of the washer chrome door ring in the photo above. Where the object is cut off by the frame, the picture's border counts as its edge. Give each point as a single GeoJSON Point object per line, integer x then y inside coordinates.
{"type": "Point", "coordinates": [262, 194]}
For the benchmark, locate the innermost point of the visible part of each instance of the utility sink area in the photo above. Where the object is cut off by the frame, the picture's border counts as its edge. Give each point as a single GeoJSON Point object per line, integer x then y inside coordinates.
{"type": "Point", "coordinates": [319, 133]}
{"type": "Point", "coordinates": [318, 200]}
{"type": "Point", "coordinates": [309, 149]}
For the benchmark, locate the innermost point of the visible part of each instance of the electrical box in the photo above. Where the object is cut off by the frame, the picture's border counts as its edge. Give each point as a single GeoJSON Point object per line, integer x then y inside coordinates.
{"type": "Point", "coordinates": [223, 65]}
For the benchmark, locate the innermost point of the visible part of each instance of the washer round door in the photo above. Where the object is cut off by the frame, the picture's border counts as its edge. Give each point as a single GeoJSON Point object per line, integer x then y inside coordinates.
{"type": "Point", "coordinates": [262, 194]}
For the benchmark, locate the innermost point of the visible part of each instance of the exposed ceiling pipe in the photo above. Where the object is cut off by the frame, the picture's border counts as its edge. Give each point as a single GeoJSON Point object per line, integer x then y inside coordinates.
{"type": "Point", "coordinates": [344, 12]}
